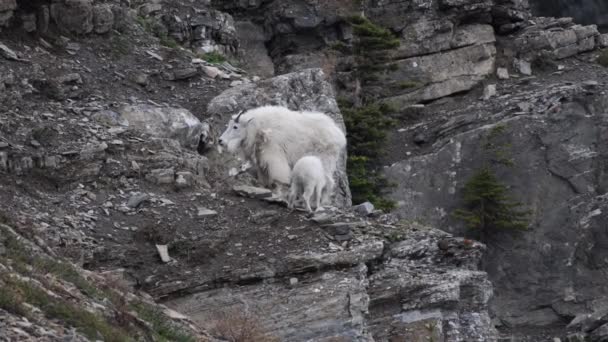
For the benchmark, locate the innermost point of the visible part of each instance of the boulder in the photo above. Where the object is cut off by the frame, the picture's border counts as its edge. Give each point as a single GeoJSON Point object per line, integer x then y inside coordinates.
{"type": "Point", "coordinates": [74, 16]}
{"type": "Point", "coordinates": [304, 90]}
{"type": "Point", "coordinates": [6, 11]}
{"type": "Point", "coordinates": [103, 18]}
{"type": "Point", "coordinates": [164, 122]}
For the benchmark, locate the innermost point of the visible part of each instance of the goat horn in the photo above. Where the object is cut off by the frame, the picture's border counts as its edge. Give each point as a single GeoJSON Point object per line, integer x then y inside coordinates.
{"type": "Point", "coordinates": [238, 116]}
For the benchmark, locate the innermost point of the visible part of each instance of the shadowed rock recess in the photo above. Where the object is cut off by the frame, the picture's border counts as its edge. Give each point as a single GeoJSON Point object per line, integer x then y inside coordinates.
{"type": "Point", "coordinates": [120, 219]}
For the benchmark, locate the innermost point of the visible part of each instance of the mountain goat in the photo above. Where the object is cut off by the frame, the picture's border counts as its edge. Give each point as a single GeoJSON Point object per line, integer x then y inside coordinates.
{"type": "Point", "coordinates": [308, 180]}
{"type": "Point", "coordinates": [289, 136]}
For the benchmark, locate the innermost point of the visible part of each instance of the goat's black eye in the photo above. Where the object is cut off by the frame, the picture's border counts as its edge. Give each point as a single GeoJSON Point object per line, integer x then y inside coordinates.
{"type": "Point", "coordinates": [235, 127]}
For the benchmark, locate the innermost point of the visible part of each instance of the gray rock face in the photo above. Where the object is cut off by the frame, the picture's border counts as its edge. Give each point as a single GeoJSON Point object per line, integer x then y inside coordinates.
{"type": "Point", "coordinates": [554, 39]}
{"type": "Point", "coordinates": [304, 90]}
{"type": "Point", "coordinates": [584, 12]}
{"type": "Point", "coordinates": [174, 123]}
{"type": "Point", "coordinates": [206, 30]}
{"type": "Point", "coordinates": [556, 136]}
{"type": "Point", "coordinates": [252, 49]}
{"type": "Point", "coordinates": [334, 296]}
{"type": "Point", "coordinates": [454, 309]}
{"type": "Point", "coordinates": [331, 307]}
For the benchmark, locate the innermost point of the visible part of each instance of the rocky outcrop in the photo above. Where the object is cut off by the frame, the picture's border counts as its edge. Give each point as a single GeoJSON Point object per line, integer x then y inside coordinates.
{"type": "Point", "coordinates": [304, 90]}
{"type": "Point", "coordinates": [172, 123]}
{"type": "Point", "coordinates": [555, 133]}
{"type": "Point", "coordinates": [204, 29]}
{"type": "Point", "coordinates": [551, 38]}
{"type": "Point", "coordinates": [585, 12]}
{"type": "Point", "coordinates": [328, 296]}
{"type": "Point", "coordinates": [409, 302]}
{"type": "Point", "coordinates": [55, 300]}
{"type": "Point", "coordinates": [6, 11]}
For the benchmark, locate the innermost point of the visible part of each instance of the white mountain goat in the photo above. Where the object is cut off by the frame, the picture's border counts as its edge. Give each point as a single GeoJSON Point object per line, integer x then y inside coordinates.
{"type": "Point", "coordinates": [290, 135]}
{"type": "Point", "coordinates": [308, 179]}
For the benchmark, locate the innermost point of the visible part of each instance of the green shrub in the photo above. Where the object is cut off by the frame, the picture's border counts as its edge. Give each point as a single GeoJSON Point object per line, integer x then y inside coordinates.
{"type": "Point", "coordinates": [366, 183]}
{"type": "Point", "coordinates": [213, 57]}
{"type": "Point", "coordinates": [11, 301]}
{"type": "Point", "coordinates": [167, 41]}
{"type": "Point", "coordinates": [147, 24]}
{"type": "Point", "coordinates": [367, 127]}
{"type": "Point", "coordinates": [409, 84]}
{"type": "Point", "coordinates": [88, 323]}
{"type": "Point", "coordinates": [161, 325]}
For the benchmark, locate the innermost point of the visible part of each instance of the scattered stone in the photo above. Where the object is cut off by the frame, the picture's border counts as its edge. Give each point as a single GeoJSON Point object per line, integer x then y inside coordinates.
{"type": "Point", "coordinates": [161, 176]}
{"type": "Point", "coordinates": [590, 84]}
{"type": "Point", "coordinates": [204, 212]}
{"type": "Point", "coordinates": [341, 228]}
{"type": "Point", "coordinates": [182, 74]}
{"type": "Point", "coordinates": [252, 191]}
{"type": "Point", "coordinates": [163, 252]}
{"type": "Point", "coordinates": [293, 281]}
{"type": "Point", "coordinates": [150, 8]}
{"type": "Point", "coordinates": [489, 91]}
{"type": "Point", "coordinates": [236, 83]}
{"type": "Point", "coordinates": [212, 72]}
{"type": "Point", "coordinates": [70, 78]}
{"type": "Point", "coordinates": [524, 67]}
{"type": "Point", "coordinates": [136, 200]}
{"type": "Point", "coordinates": [7, 53]}
{"type": "Point", "coordinates": [184, 180]}
{"type": "Point", "coordinates": [322, 217]}
{"type": "Point", "coordinates": [3, 144]}
{"type": "Point", "coordinates": [72, 47]}
{"type": "Point", "coordinates": [141, 79]}
{"type": "Point", "coordinates": [502, 73]}
{"type": "Point", "coordinates": [603, 40]}
{"type": "Point", "coordinates": [110, 118]}
{"type": "Point", "coordinates": [265, 216]}
{"type": "Point", "coordinates": [155, 55]}
{"type": "Point", "coordinates": [364, 209]}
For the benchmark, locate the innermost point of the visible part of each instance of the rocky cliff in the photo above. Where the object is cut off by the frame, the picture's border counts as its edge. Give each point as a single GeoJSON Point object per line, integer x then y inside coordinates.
{"type": "Point", "coordinates": [584, 12]}
{"type": "Point", "coordinates": [107, 125]}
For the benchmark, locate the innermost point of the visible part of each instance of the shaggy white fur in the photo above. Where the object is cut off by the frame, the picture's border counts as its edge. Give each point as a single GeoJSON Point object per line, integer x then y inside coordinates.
{"type": "Point", "coordinates": [308, 179]}
{"type": "Point", "coordinates": [289, 136]}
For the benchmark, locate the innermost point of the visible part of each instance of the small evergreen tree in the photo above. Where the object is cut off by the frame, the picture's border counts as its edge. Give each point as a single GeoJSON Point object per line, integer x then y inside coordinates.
{"type": "Point", "coordinates": [367, 122]}
{"type": "Point", "coordinates": [487, 203]}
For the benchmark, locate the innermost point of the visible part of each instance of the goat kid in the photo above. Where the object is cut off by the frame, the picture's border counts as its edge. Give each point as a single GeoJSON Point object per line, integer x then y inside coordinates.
{"type": "Point", "coordinates": [308, 180]}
